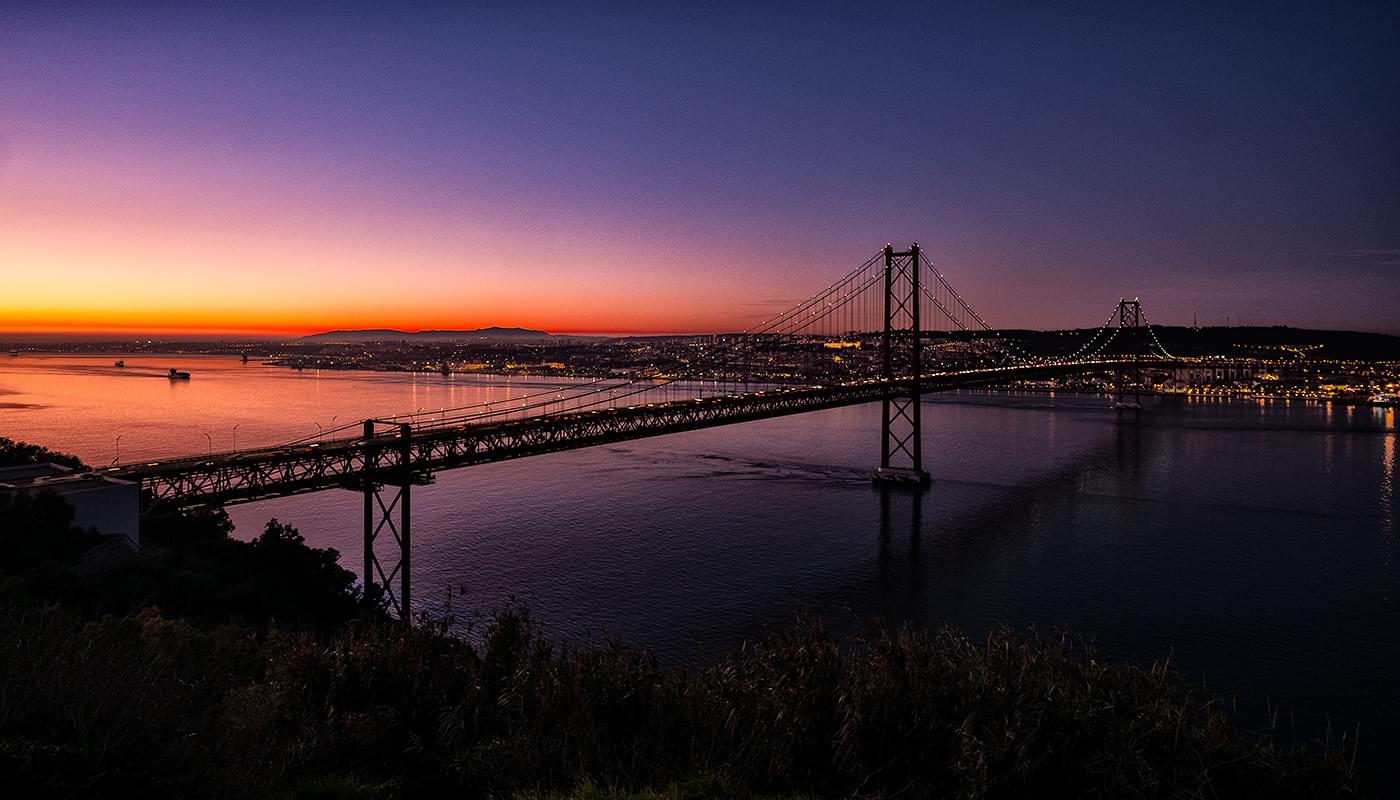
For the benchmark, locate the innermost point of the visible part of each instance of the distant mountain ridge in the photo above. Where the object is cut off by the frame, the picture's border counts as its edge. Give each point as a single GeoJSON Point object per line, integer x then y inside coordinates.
{"type": "Point", "coordinates": [389, 334]}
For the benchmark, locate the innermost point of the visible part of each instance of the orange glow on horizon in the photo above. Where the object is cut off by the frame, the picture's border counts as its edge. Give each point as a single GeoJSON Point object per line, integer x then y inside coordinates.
{"type": "Point", "coordinates": [195, 323]}
{"type": "Point", "coordinates": [90, 247]}
{"type": "Point", "coordinates": [278, 332]}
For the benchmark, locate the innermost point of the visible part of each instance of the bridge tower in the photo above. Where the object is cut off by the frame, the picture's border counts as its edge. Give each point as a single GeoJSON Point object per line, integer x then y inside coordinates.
{"type": "Point", "coordinates": [901, 422]}
{"type": "Point", "coordinates": [1129, 322]}
{"type": "Point", "coordinates": [394, 479]}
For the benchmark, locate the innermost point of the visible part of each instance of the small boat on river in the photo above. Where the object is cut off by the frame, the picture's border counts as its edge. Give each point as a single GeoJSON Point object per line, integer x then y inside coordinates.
{"type": "Point", "coordinates": [177, 375]}
{"type": "Point", "coordinates": [119, 364]}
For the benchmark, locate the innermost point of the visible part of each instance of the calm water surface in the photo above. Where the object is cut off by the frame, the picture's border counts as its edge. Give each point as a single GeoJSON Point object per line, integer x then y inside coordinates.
{"type": "Point", "coordinates": [1253, 543]}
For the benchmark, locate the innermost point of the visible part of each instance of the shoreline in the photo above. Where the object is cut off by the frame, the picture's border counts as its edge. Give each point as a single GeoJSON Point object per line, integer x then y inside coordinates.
{"type": "Point", "coordinates": [286, 362]}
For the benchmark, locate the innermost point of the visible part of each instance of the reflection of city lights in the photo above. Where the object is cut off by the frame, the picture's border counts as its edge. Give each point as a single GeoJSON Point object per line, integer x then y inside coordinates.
{"type": "Point", "coordinates": [1387, 499]}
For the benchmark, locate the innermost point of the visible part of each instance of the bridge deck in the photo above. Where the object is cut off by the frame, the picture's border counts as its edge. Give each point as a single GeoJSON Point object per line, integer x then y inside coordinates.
{"type": "Point", "coordinates": [351, 462]}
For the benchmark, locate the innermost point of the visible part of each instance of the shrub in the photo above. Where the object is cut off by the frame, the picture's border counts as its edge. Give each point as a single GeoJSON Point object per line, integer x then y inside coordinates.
{"type": "Point", "coordinates": [120, 702]}
{"type": "Point", "coordinates": [14, 453]}
{"type": "Point", "coordinates": [36, 530]}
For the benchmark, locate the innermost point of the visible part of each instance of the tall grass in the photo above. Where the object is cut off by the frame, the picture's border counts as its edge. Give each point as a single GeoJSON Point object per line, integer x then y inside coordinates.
{"type": "Point", "coordinates": [145, 701]}
{"type": "Point", "coordinates": [902, 714]}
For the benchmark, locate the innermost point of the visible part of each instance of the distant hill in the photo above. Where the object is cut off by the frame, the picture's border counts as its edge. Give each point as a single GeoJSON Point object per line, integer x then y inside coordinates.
{"type": "Point", "coordinates": [389, 335]}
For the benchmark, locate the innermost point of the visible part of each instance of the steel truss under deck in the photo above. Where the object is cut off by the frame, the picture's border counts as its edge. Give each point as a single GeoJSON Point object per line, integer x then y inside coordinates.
{"type": "Point", "coordinates": [399, 458]}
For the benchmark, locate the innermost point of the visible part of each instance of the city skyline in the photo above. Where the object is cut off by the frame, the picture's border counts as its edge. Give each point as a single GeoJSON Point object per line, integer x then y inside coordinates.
{"type": "Point", "coordinates": [279, 172]}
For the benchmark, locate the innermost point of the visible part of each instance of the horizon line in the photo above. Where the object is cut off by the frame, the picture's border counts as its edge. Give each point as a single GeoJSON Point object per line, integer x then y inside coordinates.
{"type": "Point", "coordinates": [178, 334]}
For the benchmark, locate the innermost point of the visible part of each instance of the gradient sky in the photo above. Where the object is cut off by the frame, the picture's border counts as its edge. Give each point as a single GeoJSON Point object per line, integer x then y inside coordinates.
{"type": "Point", "coordinates": [631, 167]}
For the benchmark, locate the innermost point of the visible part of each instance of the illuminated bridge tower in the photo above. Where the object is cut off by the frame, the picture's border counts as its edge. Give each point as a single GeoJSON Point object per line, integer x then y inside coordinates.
{"type": "Point", "coordinates": [1127, 384]}
{"type": "Point", "coordinates": [901, 423]}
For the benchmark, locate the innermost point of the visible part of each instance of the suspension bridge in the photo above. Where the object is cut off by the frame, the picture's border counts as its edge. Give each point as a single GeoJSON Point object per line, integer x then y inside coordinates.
{"type": "Point", "coordinates": [888, 331]}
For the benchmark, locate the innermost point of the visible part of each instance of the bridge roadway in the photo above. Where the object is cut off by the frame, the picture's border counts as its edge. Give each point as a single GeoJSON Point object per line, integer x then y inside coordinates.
{"type": "Point", "coordinates": [393, 457]}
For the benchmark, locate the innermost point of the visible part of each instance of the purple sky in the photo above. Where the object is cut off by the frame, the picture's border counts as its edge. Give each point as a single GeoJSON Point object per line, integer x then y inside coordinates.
{"type": "Point", "coordinates": [630, 167]}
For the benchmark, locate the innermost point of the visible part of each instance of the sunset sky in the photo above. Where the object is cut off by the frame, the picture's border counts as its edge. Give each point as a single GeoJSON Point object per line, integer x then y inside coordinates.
{"type": "Point", "coordinates": [630, 167]}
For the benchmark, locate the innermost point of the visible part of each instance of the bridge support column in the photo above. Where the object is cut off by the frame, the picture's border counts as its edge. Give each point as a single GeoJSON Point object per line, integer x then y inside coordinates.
{"type": "Point", "coordinates": [901, 417]}
{"type": "Point", "coordinates": [382, 499]}
{"type": "Point", "coordinates": [1129, 318]}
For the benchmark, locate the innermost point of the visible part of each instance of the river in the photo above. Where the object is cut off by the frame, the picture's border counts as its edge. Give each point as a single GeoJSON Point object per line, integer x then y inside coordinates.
{"type": "Point", "coordinates": [1252, 542]}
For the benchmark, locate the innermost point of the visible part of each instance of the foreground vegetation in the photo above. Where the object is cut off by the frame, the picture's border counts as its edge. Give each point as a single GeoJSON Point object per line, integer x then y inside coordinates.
{"type": "Point", "coordinates": [217, 668]}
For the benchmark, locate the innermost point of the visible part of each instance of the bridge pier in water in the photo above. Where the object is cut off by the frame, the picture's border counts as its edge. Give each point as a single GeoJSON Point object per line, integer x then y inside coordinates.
{"type": "Point", "coordinates": [901, 417]}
